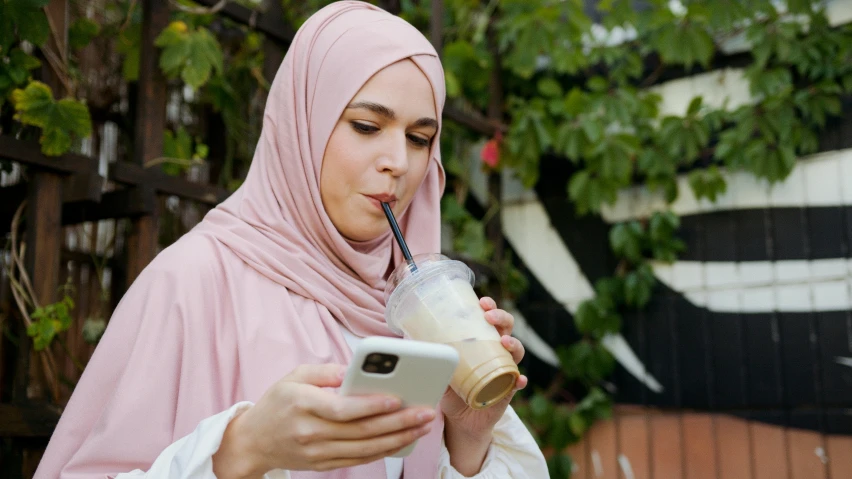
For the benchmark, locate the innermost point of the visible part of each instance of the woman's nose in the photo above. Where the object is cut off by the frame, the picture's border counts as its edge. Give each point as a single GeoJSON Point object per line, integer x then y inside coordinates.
{"type": "Point", "coordinates": [393, 156]}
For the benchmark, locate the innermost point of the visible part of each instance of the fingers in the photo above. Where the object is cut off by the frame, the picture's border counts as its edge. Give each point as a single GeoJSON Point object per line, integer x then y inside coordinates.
{"type": "Point", "coordinates": [344, 463]}
{"type": "Point", "coordinates": [384, 424]}
{"type": "Point", "coordinates": [335, 408]}
{"type": "Point", "coordinates": [382, 445]}
{"type": "Point", "coordinates": [320, 375]}
{"type": "Point", "coordinates": [503, 321]}
{"type": "Point", "coordinates": [487, 303]}
{"type": "Point", "coordinates": [514, 346]}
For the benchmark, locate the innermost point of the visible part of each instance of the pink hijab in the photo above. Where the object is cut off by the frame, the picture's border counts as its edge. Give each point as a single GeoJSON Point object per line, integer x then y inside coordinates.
{"type": "Point", "coordinates": [265, 281]}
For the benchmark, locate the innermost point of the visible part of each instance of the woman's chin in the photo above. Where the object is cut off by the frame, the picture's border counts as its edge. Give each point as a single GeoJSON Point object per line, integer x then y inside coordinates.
{"type": "Point", "coordinates": [366, 230]}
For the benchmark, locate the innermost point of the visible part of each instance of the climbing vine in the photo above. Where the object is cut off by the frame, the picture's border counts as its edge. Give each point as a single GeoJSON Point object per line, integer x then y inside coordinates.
{"type": "Point", "coordinates": [581, 90]}
{"type": "Point", "coordinates": [193, 50]}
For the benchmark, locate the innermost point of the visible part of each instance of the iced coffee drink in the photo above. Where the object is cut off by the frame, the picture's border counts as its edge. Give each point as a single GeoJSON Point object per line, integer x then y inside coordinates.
{"type": "Point", "coordinates": [433, 300]}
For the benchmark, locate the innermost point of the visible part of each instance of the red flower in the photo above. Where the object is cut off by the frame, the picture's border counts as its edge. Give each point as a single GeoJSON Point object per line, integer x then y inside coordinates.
{"type": "Point", "coordinates": [490, 154]}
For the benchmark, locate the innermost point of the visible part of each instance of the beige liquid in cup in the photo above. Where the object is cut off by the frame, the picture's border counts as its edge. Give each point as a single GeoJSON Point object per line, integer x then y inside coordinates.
{"type": "Point", "coordinates": [484, 376]}
{"type": "Point", "coordinates": [443, 308]}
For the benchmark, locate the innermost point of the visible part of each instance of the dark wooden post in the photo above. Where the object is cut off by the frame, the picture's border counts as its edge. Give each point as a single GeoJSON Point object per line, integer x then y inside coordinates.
{"type": "Point", "coordinates": [150, 123]}
{"type": "Point", "coordinates": [44, 217]}
{"type": "Point", "coordinates": [273, 51]}
{"type": "Point", "coordinates": [391, 6]}
{"type": "Point", "coordinates": [43, 246]}
{"type": "Point", "coordinates": [436, 25]}
{"type": "Point", "coordinates": [494, 227]}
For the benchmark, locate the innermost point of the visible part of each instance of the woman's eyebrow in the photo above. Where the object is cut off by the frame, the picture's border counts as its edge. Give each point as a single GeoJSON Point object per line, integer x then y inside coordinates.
{"type": "Point", "coordinates": [388, 113]}
{"type": "Point", "coordinates": [375, 108]}
{"type": "Point", "coordinates": [426, 122]}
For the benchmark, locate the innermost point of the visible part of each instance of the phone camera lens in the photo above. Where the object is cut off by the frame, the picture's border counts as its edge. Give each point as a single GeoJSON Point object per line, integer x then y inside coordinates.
{"type": "Point", "coordinates": [379, 363]}
{"type": "Point", "coordinates": [374, 358]}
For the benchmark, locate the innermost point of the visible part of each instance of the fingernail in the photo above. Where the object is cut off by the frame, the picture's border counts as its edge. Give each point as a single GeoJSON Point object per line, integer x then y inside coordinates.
{"type": "Point", "coordinates": [391, 404]}
{"type": "Point", "coordinates": [426, 416]}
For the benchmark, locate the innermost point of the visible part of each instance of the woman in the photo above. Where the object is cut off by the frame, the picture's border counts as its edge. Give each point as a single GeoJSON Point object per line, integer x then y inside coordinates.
{"type": "Point", "coordinates": [280, 281]}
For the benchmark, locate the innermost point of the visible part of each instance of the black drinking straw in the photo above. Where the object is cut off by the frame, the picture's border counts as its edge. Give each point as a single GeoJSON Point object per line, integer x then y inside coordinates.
{"type": "Point", "coordinates": [398, 234]}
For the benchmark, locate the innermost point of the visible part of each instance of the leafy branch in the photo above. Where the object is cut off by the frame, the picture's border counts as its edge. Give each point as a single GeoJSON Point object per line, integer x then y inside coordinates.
{"type": "Point", "coordinates": [579, 91]}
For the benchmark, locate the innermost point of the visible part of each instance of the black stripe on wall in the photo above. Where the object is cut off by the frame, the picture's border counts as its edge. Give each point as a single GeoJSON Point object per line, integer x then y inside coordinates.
{"type": "Point", "coordinates": [767, 365]}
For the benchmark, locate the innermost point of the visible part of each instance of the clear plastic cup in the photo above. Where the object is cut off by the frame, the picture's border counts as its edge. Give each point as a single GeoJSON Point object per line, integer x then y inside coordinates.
{"type": "Point", "coordinates": [436, 303]}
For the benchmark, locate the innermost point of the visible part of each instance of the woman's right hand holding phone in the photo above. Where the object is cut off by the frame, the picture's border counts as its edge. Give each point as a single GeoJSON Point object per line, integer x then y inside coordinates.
{"type": "Point", "coordinates": [298, 425]}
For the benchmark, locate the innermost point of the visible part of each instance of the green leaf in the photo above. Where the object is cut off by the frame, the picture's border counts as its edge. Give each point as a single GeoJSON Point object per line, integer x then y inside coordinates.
{"type": "Point", "coordinates": [73, 116]}
{"type": "Point", "coordinates": [597, 84]}
{"type": "Point", "coordinates": [30, 20]}
{"type": "Point", "coordinates": [609, 292]}
{"type": "Point", "coordinates": [638, 286]}
{"type": "Point", "coordinates": [454, 88]}
{"type": "Point", "coordinates": [694, 106]}
{"type": "Point", "coordinates": [48, 321]}
{"type": "Point", "coordinates": [576, 102]}
{"type": "Point", "coordinates": [452, 212]}
{"type": "Point", "coordinates": [541, 409]}
{"type": "Point", "coordinates": [593, 130]}
{"type": "Point", "coordinates": [770, 82]}
{"type": "Point", "coordinates": [58, 120]}
{"type": "Point", "coordinates": [16, 76]}
{"type": "Point", "coordinates": [176, 146]}
{"type": "Point", "coordinates": [473, 242]}
{"type": "Point", "coordinates": [707, 183]}
{"type": "Point", "coordinates": [81, 32]}
{"type": "Point", "coordinates": [201, 150]}
{"type": "Point", "coordinates": [34, 104]}
{"type": "Point", "coordinates": [192, 54]}
{"type": "Point", "coordinates": [577, 424]}
{"type": "Point", "coordinates": [626, 240]}
{"type": "Point", "coordinates": [594, 318]}
{"type": "Point", "coordinates": [21, 59]}
{"type": "Point", "coordinates": [549, 87]}
{"type": "Point", "coordinates": [516, 281]}
{"type": "Point", "coordinates": [686, 42]}
{"type": "Point", "coordinates": [701, 44]}
{"type": "Point", "coordinates": [195, 73]}
{"type": "Point", "coordinates": [559, 435]}
{"type": "Point", "coordinates": [587, 361]}
{"type": "Point", "coordinates": [560, 465]}
{"type": "Point", "coordinates": [596, 404]}
{"type": "Point", "coordinates": [589, 192]}
{"type": "Point", "coordinates": [663, 224]}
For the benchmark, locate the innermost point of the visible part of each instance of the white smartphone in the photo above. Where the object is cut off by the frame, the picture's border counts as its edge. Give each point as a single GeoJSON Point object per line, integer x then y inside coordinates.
{"type": "Point", "coordinates": [416, 372]}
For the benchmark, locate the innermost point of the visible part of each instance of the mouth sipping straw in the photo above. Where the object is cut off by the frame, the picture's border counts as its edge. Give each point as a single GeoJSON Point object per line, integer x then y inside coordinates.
{"type": "Point", "coordinates": [398, 235]}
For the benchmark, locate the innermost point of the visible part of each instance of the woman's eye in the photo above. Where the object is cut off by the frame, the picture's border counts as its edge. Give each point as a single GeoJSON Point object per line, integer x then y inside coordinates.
{"type": "Point", "coordinates": [364, 128]}
{"type": "Point", "coordinates": [419, 141]}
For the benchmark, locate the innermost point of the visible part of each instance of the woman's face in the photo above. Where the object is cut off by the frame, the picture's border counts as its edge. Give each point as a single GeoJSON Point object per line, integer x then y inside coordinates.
{"type": "Point", "coordinates": [379, 151]}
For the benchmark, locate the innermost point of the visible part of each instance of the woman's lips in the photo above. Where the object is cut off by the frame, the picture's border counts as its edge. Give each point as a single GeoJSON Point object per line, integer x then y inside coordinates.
{"type": "Point", "coordinates": [377, 200]}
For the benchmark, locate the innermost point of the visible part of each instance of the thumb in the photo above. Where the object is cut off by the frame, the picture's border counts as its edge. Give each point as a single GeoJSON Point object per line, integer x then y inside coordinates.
{"type": "Point", "coordinates": [320, 375]}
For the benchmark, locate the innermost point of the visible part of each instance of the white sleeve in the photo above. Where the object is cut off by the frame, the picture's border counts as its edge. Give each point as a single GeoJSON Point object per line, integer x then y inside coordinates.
{"type": "Point", "coordinates": [191, 457]}
{"type": "Point", "coordinates": [513, 454]}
